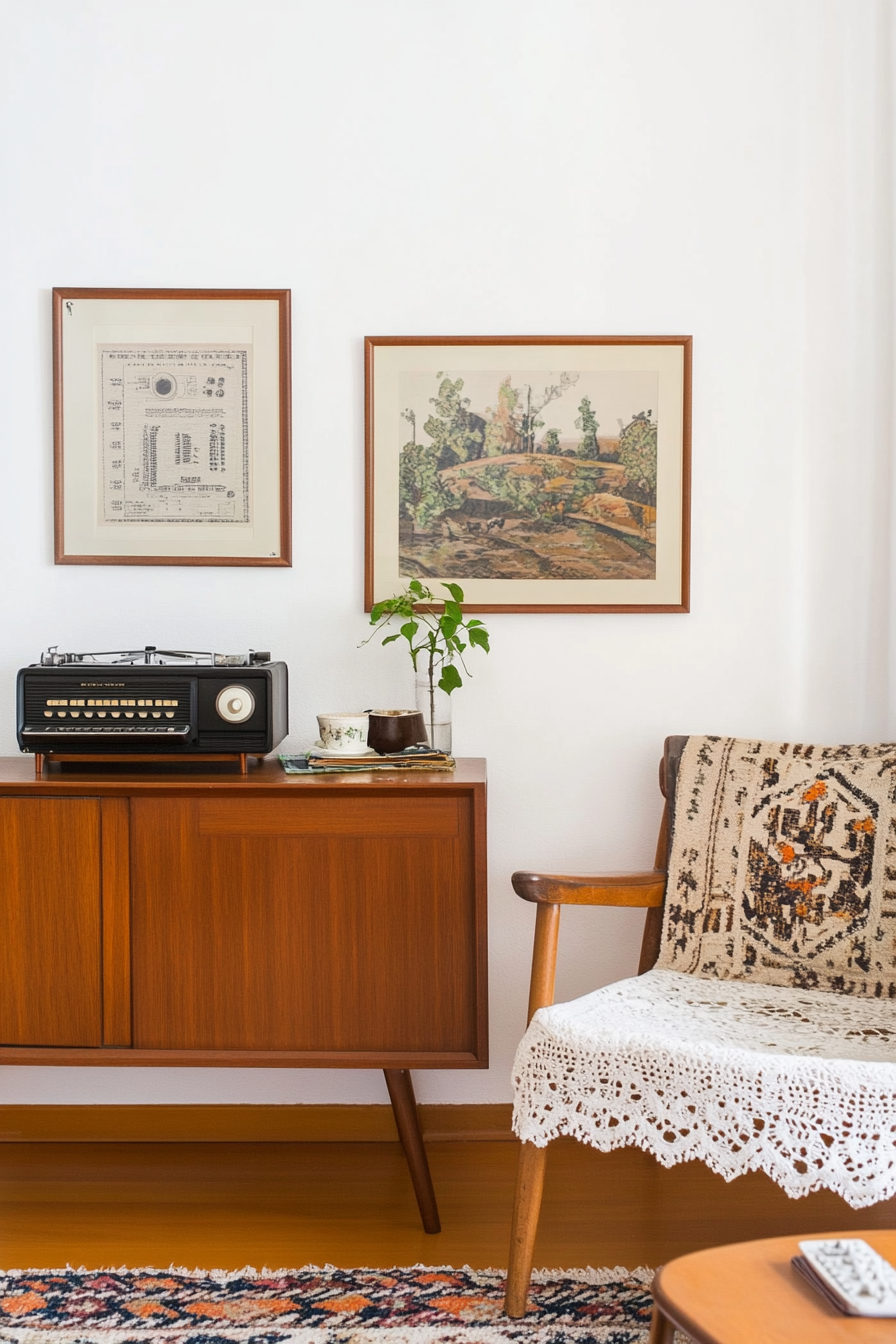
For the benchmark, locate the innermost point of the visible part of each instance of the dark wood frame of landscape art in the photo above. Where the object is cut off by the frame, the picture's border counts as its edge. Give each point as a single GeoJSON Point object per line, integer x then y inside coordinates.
{"type": "Point", "coordinates": [374, 450]}
{"type": "Point", "coordinates": [279, 449]}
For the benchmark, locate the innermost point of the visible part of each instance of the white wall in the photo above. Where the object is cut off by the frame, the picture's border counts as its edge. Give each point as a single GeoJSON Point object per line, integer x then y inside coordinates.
{"type": "Point", "coordinates": [714, 167]}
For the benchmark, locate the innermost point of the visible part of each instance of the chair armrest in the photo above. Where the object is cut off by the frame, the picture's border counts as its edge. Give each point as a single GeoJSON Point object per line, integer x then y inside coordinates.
{"type": "Point", "coordinates": [632, 889]}
{"type": "Point", "coordinates": [549, 891]}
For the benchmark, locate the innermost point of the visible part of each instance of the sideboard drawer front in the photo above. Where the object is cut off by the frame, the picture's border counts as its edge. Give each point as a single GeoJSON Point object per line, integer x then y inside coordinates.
{"type": "Point", "coordinates": [304, 815]}
{"type": "Point", "coordinates": [282, 924]}
{"type": "Point", "coordinates": [50, 922]}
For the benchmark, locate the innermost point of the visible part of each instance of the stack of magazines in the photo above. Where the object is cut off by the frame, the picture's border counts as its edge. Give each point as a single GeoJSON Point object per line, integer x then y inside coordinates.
{"type": "Point", "coordinates": [412, 758]}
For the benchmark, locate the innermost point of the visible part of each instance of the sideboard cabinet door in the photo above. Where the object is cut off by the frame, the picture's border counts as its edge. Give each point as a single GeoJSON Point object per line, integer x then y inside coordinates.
{"type": "Point", "coordinates": [312, 922]}
{"type": "Point", "coordinates": [50, 925]}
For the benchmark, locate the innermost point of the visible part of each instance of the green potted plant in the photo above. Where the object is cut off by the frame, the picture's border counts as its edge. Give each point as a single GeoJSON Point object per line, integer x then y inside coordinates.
{"type": "Point", "coordinates": [435, 635]}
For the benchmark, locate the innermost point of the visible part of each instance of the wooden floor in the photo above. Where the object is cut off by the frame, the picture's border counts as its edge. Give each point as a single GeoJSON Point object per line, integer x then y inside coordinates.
{"type": "Point", "coordinates": [226, 1205]}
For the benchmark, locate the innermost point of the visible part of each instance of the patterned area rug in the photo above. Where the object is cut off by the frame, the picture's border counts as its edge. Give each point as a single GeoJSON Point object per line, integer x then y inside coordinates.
{"type": "Point", "coordinates": [320, 1306]}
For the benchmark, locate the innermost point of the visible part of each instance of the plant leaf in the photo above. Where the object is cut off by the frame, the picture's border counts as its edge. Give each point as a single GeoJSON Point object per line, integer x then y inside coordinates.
{"type": "Point", "coordinates": [437, 625]}
{"type": "Point", "coordinates": [450, 678]}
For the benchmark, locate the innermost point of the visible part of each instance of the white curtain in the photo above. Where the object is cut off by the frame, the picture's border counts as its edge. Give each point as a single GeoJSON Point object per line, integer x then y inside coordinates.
{"type": "Point", "coordinates": [842, 509]}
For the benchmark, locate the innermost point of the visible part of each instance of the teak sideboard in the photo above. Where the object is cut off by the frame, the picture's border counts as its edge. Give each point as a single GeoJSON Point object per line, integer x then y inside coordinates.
{"type": "Point", "coordinates": [167, 916]}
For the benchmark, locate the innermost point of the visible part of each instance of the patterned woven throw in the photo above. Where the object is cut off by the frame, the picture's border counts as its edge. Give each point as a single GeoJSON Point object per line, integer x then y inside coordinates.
{"type": "Point", "coordinates": [783, 866]}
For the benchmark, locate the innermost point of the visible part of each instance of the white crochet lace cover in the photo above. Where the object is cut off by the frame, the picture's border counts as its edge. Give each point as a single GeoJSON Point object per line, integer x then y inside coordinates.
{"type": "Point", "coordinates": [745, 1077]}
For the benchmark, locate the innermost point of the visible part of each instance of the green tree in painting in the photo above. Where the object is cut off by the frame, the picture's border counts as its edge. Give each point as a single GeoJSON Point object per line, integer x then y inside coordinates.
{"type": "Point", "coordinates": [514, 422]}
{"type": "Point", "coordinates": [637, 453]}
{"type": "Point", "coordinates": [422, 494]}
{"type": "Point", "coordinates": [587, 422]}
{"type": "Point", "coordinates": [502, 433]}
{"type": "Point", "coordinates": [531, 403]}
{"type": "Point", "coordinates": [530, 423]}
{"type": "Point", "coordinates": [456, 433]}
{"type": "Point", "coordinates": [550, 443]}
{"type": "Point", "coordinates": [520, 492]}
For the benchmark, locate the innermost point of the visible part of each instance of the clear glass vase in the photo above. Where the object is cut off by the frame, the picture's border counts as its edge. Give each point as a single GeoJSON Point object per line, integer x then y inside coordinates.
{"type": "Point", "coordinates": [435, 706]}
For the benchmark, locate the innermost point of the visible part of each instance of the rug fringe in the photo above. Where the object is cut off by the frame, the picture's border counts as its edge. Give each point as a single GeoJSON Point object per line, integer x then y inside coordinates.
{"type": "Point", "coordinates": [588, 1274]}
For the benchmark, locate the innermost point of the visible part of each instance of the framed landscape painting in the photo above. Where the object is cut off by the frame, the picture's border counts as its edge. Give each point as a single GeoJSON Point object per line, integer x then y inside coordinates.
{"type": "Point", "coordinates": [538, 473]}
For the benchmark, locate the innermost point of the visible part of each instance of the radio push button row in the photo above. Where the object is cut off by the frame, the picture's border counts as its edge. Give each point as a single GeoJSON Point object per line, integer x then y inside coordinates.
{"type": "Point", "coordinates": [235, 704]}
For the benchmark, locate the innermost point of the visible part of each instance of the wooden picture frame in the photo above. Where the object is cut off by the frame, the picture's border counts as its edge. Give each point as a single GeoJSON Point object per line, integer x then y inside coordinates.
{"type": "Point", "coordinates": [171, 417]}
{"type": "Point", "coordinates": [527, 470]}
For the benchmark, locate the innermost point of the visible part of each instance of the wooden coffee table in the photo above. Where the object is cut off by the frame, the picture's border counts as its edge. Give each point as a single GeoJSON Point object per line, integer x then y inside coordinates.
{"type": "Point", "coordinates": [750, 1292]}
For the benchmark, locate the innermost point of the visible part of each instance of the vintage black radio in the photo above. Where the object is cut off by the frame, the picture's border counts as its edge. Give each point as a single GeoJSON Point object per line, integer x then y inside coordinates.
{"type": "Point", "coordinates": [152, 701]}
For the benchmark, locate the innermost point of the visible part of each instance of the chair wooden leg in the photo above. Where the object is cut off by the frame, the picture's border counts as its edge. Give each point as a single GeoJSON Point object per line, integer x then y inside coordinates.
{"type": "Point", "coordinates": [404, 1108]}
{"type": "Point", "coordinates": [526, 1208]}
{"type": "Point", "coordinates": [662, 1331]}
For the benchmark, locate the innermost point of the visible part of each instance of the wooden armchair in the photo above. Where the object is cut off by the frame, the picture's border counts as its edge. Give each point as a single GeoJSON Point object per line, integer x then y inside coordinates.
{"type": "Point", "coordinates": [743, 1064]}
{"type": "Point", "coordinates": [549, 892]}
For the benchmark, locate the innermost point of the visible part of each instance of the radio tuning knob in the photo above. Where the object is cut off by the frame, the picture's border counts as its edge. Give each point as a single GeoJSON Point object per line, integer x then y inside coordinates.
{"type": "Point", "coordinates": [235, 704]}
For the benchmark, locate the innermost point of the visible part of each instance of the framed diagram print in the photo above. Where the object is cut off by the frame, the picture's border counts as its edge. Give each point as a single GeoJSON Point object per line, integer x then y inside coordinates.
{"type": "Point", "coordinates": [172, 426]}
{"type": "Point", "coordinates": [539, 473]}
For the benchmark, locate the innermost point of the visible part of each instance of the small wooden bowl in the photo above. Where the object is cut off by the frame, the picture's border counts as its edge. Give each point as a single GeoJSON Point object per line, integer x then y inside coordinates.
{"type": "Point", "coordinates": [394, 729]}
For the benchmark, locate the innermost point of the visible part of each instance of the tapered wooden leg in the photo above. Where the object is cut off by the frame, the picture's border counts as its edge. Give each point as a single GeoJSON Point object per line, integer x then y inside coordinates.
{"type": "Point", "coordinates": [404, 1108]}
{"type": "Point", "coordinates": [526, 1208]}
{"type": "Point", "coordinates": [662, 1331]}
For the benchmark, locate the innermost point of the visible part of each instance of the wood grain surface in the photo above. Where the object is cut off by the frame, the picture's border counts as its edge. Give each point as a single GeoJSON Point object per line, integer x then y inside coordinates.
{"type": "Point", "coordinates": [290, 1204]}
{"type": "Point", "coordinates": [747, 1292]}
{"type": "Point", "coordinates": [193, 917]}
{"type": "Point", "coordinates": [249, 1123]}
{"type": "Point", "coordinates": [301, 925]}
{"type": "Point", "coordinates": [50, 922]}
{"type": "Point", "coordinates": [115, 820]}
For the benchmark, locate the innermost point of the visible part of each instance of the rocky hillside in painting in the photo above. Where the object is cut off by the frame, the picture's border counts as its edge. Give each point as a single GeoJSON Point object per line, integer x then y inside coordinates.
{"type": "Point", "coordinates": [533, 515]}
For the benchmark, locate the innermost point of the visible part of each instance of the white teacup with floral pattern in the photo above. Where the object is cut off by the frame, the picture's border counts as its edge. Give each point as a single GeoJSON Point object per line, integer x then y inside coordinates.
{"type": "Point", "coordinates": [343, 732]}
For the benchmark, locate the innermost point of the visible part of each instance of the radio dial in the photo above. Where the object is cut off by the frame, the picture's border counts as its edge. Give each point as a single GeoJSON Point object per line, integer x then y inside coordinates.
{"type": "Point", "coordinates": [235, 704]}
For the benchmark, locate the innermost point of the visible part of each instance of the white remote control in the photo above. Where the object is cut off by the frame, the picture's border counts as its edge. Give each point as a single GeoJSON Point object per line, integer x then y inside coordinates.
{"type": "Point", "coordinates": [858, 1280]}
